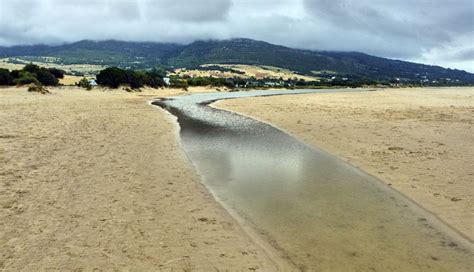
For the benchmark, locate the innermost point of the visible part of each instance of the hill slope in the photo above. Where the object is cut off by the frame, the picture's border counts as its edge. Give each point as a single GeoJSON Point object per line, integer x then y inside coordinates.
{"type": "Point", "coordinates": [239, 51]}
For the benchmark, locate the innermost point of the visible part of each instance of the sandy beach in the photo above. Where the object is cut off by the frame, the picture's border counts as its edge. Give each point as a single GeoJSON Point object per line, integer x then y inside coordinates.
{"type": "Point", "coordinates": [98, 180]}
{"type": "Point", "coordinates": [419, 141]}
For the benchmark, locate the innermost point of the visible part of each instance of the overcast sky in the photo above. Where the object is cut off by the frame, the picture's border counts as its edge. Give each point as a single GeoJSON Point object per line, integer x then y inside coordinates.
{"type": "Point", "coordinates": [437, 32]}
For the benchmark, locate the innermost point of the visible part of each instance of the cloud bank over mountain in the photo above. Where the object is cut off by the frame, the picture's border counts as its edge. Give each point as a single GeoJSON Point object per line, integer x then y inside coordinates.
{"type": "Point", "coordinates": [434, 32]}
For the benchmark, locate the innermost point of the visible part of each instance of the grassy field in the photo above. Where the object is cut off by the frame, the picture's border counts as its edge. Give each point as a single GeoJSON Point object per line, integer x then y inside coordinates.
{"type": "Point", "coordinates": [247, 71]}
{"type": "Point", "coordinates": [19, 63]}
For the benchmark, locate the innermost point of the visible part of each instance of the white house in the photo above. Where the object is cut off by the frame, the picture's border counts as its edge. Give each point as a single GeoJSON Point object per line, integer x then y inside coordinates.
{"type": "Point", "coordinates": [93, 83]}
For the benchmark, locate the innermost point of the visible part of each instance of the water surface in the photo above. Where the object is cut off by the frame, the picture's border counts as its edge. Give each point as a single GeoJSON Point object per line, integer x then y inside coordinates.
{"type": "Point", "coordinates": [324, 214]}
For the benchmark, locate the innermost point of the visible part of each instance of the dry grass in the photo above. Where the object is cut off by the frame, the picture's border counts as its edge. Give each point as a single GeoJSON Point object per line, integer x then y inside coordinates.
{"type": "Point", "coordinates": [259, 72]}
{"type": "Point", "coordinates": [70, 80]}
{"type": "Point", "coordinates": [70, 68]}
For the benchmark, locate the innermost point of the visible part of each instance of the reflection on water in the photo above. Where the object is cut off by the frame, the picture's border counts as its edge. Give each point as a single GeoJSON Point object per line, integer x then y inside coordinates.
{"type": "Point", "coordinates": [324, 213]}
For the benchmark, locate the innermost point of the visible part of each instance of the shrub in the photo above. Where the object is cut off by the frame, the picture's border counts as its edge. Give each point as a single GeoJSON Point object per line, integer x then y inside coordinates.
{"type": "Point", "coordinates": [179, 83]}
{"type": "Point", "coordinates": [5, 77]}
{"type": "Point", "coordinates": [111, 77]}
{"type": "Point", "coordinates": [26, 78]}
{"type": "Point", "coordinates": [84, 83]}
{"type": "Point", "coordinates": [16, 74]}
{"type": "Point", "coordinates": [31, 74]}
{"type": "Point", "coordinates": [31, 68]}
{"type": "Point", "coordinates": [46, 78]}
{"type": "Point", "coordinates": [57, 72]}
{"type": "Point", "coordinates": [37, 89]}
{"type": "Point", "coordinates": [154, 78]}
{"type": "Point", "coordinates": [136, 79]}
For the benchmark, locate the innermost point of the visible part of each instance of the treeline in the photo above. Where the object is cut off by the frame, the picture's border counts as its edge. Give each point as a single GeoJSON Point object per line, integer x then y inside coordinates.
{"type": "Point", "coordinates": [219, 68]}
{"type": "Point", "coordinates": [113, 77]}
{"type": "Point", "coordinates": [31, 74]}
{"type": "Point", "coordinates": [186, 81]}
{"type": "Point", "coordinates": [236, 82]}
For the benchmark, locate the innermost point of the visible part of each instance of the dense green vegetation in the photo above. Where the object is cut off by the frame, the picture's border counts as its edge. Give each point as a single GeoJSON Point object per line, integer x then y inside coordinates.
{"type": "Point", "coordinates": [129, 55]}
{"type": "Point", "coordinates": [31, 74]}
{"type": "Point", "coordinates": [352, 65]}
{"type": "Point", "coordinates": [5, 77]}
{"type": "Point", "coordinates": [113, 77]}
{"type": "Point", "coordinates": [218, 68]}
{"type": "Point", "coordinates": [209, 81]}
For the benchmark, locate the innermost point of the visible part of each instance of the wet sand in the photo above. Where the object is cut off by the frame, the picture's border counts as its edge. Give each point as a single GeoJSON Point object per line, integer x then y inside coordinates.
{"type": "Point", "coordinates": [99, 180]}
{"type": "Point", "coordinates": [420, 141]}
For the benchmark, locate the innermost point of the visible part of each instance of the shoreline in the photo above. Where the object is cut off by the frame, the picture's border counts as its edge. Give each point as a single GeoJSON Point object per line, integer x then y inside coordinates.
{"type": "Point", "coordinates": [263, 109]}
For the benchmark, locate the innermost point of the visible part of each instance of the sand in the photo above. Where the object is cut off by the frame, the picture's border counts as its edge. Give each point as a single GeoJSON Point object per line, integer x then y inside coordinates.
{"type": "Point", "coordinates": [98, 180]}
{"type": "Point", "coordinates": [419, 141]}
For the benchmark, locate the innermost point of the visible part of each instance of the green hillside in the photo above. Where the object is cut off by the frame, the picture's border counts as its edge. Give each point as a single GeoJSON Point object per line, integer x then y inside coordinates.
{"type": "Point", "coordinates": [143, 55]}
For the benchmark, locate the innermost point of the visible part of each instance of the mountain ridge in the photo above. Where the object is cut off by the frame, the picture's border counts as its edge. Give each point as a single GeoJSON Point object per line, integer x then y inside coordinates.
{"type": "Point", "coordinates": [143, 55]}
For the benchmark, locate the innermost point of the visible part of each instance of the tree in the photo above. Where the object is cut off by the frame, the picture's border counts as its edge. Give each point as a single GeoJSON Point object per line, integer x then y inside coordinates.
{"type": "Point", "coordinates": [176, 82]}
{"type": "Point", "coordinates": [57, 72]}
{"type": "Point", "coordinates": [158, 72]}
{"type": "Point", "coordinates": [16, 73]}
{"type": "Point", "coordinates": [155, 77]}
{"type": "Point", "coordinates": [5, 77]}
{"type": "Point", "coordinates": [136, 79]}
{"type": "Point", "coordinates": [46, 78]}
{"type": "Point", "coordinates": [111, 77]}
{"type": "Point", "coordinates": [31, 68]}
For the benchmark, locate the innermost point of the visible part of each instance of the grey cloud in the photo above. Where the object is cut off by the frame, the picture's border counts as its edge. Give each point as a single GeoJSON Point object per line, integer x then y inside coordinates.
{"type": "Point", "coordinates": [19, 8]}
{"type": "Point", "coordinates": [428, 31]}
{"type": "Point", "coordinates": [425, 22]}
{"type": "Point", "coordinates": [188, 11]}
{"type": "Point", "coordinates": [126, 10]}
{"type": "Point", "coordinates": [463, 55]}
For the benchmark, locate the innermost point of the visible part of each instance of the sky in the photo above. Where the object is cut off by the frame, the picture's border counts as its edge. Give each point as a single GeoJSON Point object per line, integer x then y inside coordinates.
{"type": "Point", "coordinates": [439, 32]}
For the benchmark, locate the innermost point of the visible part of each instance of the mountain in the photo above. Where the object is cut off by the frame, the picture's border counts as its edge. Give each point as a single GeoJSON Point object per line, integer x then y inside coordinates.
{"type": "Point", "coordinates": [240, 51]}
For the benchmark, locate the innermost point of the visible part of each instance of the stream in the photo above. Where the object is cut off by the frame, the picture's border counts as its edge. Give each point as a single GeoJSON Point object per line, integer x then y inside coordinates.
{"type": "Point", "coordinates": [320, 212]}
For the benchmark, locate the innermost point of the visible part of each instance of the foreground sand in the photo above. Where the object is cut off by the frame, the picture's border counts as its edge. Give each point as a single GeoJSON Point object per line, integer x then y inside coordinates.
{"type": "Point", "coordinates": [98, 180]}
{"type": "Point", "coordinates": [420, 141]}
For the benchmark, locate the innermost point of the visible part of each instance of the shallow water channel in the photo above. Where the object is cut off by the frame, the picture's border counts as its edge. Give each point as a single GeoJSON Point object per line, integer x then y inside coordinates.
{"type": "Point", "coordinates": [320, 212]}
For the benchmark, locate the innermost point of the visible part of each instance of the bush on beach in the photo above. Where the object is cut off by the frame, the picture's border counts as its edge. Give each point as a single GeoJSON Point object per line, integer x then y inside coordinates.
{"type": "Point", "coordinates": [25, 79]}
{"type": "Point", "coordinates": [31, 74]}
{"type": "Point", "coordinates": [46, 78]}
{"type": "Point", "coordinates": [5, 77]}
